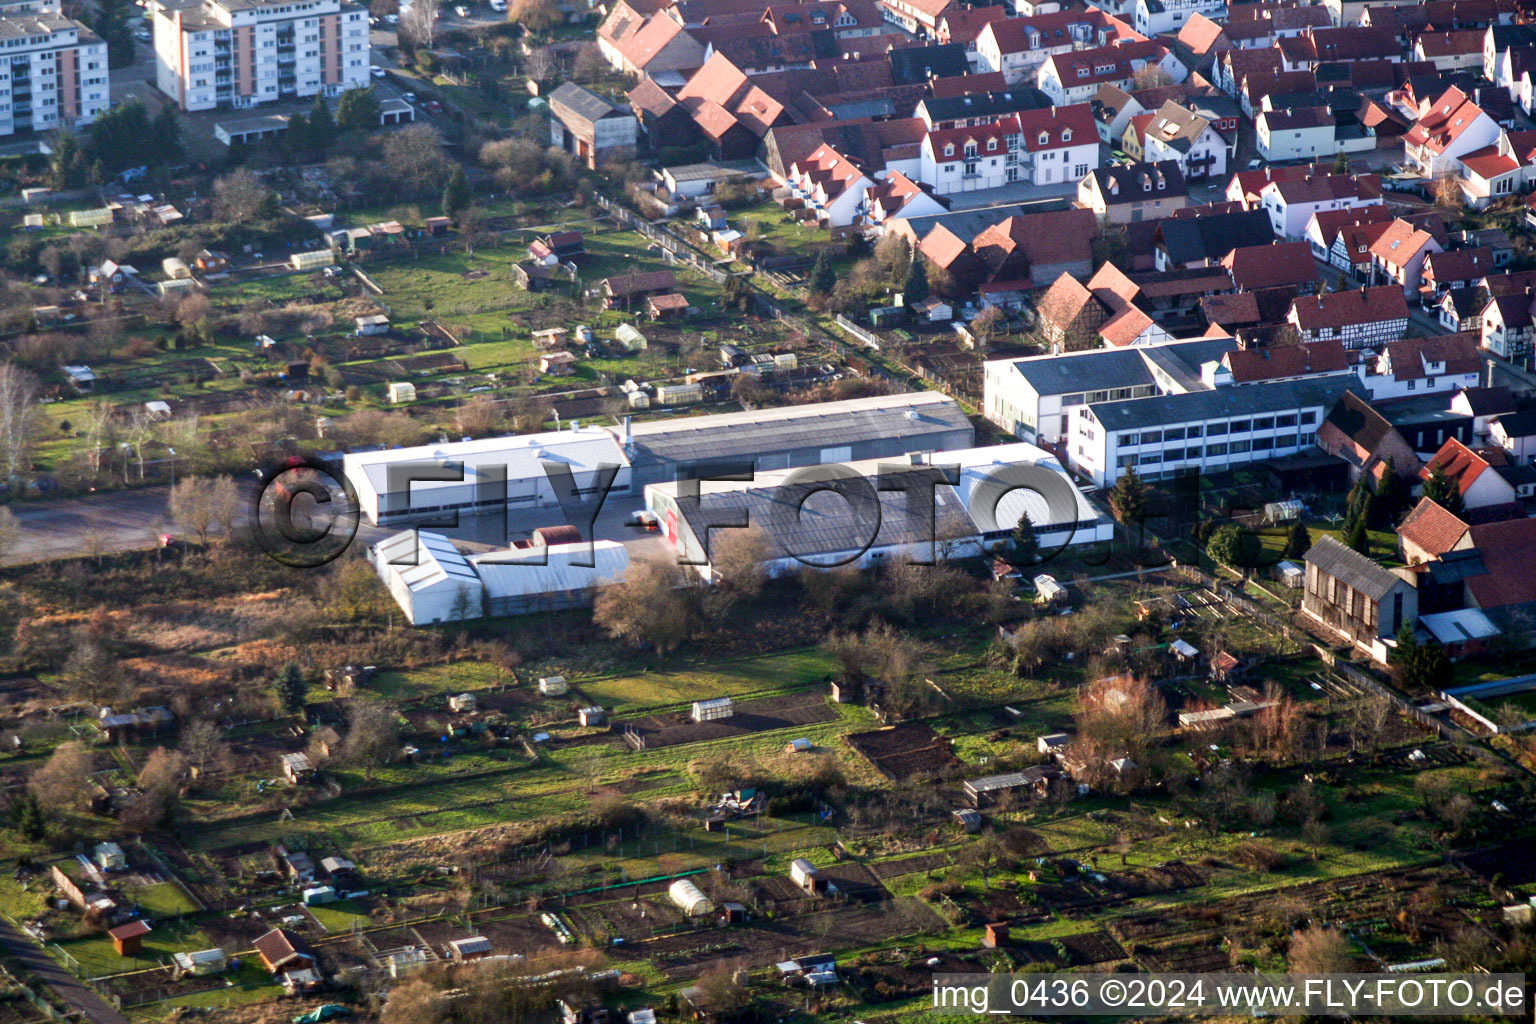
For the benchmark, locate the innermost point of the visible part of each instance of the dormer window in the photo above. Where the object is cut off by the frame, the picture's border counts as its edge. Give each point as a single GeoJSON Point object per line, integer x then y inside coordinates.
{"type": "Point", "coordinates": [949, 149]}
{"type": "Point", "coordinates": [991, 144]}
{"type": "Point", "coordinates": [1045, 138]}
{"type": "Point", "coordinates": [1146, 184]}
{"type": "Point", "coordinates": [970, 149]}
{"type": "Point", "coordinates": [1066, 135]}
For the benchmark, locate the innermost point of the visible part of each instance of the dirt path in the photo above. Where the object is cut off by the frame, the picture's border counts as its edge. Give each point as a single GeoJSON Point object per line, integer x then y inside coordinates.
{"type": "Point", "coordinates": [64, 984]}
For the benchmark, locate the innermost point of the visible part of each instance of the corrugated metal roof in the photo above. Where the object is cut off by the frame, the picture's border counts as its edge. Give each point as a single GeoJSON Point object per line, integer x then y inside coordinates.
{"type": "Point", "coordinates": [763, 431]}
{"type": "Point", "coordinates": [521, 454]}
{"type": "Point", "coordinates": [436, 559]}
{"type": "Point", "coordinates": [518, 573]}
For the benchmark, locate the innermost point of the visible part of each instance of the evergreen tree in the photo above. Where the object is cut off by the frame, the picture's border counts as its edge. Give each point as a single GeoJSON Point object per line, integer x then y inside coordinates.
{"type": "Point", "coordinates": [823, 277]}
{"type": "Point", "coordinates": [1391, 496]}
{"type": "Point", "coordinates": [27, 816]}
{"type": "Point", "coordinates": [1026, 546]}
{"type": "Point", "coordinates": [1129, 498]}
{"type": "Point", "coordinates": [358, 110]}
{"type": "Point", "coordinates": [1420, 667]}
{"type": "Point", "coordinates": [1442, 491]}
{"type": "Point", "coordinates": [68, 167]}
{"type": "Point", "coordinates": [111, 22]}
{"type": "Point", "coordinates": [322, 126]}
{"type": "Point", "coordinates": [166, 132]}
{"type": "Point", "coordinates": [456, 195]}
{"type": "Point", "coordinates": [916, 287]}
{"type": "Point", "coordinates": [1357, 495]}
{"type": "Point", "coordinates": [297, 138]}
{"type": "Point", "coordinates": [1233, 546]}
{"type": "Point", "coordinates": [1356, 537]}
{"type": "Point", "coordinates": [292, 690]}
{"type": "Point", "coordinates": [1298, 541]}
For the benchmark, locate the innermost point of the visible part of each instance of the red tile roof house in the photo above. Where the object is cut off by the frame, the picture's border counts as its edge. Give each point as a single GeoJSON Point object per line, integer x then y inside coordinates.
{"type": "Point", "coordinates": [920, 17]}
{"type": "Point", "coordinates": [282, 952]}
{"type": "Point", "coordinates": [1291, 202]}
{"type": "Point", "coordinates": [1398, 255]}
{"type": "Point", "coordinates": [1419, 366]}
{"type": "Point", "coordinates": [1365, 439]}
{"type": "Point", "coordinates": [1429, 531]}
{"type": "Point", "coordinates": [1234, 66]}
{"type": "Point", "coordinates": [1323, 231]}
{"type": "Point", "coordinates": [639, 43]}
{"type": "Point", "coordinates": [1499, 170]}
{"type": "Point", "coordinates": [1258, 267]}
{"type": "Point", "coordinates": [1246, 186]}
{"type": "Point", "coordinates": [1451, 51]}
{"type": "Point", "coordinates": [1359, 318]}
{"type": "Point", "coordinates": [1450, 127]}
{"type": "Point", "coordinates": [1507, 325]}
{"type": "Point", "coordinates": [832, 185]}
{"type": "Point", "coordinates": [1074, 77]}
{"type": "Point", "coordinates": [1074, 316]}
{"type": "Point", "coordinates": [1474, 473]}
{"type": "Point", "coordinates": [1055, 145]}
{"type": "Point", "coordinates": [1509, 581]}
{"type": "Point", "coordinates": [1453, 268]}
{"type": "Point", "coordinates": [621, 292]}
{"type": "Point", "coordinates": [1017, 47]}
{"type": "Point", "coordinates": [1286, 362]}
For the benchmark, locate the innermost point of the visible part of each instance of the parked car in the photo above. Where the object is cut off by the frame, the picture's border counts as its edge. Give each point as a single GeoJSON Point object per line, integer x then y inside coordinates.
{"type": "Point", "coordinates": [376, 71]}
{"type": "Point", "coordinates": [409, 97]}
{"type": "Point", "coordinates": [393, 19]}
{"type": "Point", "coordinates": [499, 6]}
{"type": "Point", "coordinates": [461, 11]}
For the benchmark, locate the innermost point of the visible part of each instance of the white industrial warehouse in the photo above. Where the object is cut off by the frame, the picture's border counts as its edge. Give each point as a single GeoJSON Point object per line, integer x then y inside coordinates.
{"type": "Point", "coordinates": [433, 581]}
{"type": "Point", "coordinates": [826, 523]}
{"type": "Point", "coordinates": [881, 426]}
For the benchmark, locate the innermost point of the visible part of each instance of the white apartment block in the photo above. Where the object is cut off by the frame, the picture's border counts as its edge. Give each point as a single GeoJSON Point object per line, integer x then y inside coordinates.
{"type": "Point", "coordinates": [238, 53]}
{"type": "Point", "coordinates": [1201, 431]}
{"type": "Point", "coordinates": [53, 72]}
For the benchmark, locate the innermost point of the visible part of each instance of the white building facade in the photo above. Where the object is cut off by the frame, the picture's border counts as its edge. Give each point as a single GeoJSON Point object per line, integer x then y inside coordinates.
{"type": "Point", "coordinates": [213, 54]}
{"type": "Point", "coordinates": [53, 73]}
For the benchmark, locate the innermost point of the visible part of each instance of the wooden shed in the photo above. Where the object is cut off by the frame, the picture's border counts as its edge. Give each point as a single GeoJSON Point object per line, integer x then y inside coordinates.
{"type": "Point", "coordinates": [128, 939]}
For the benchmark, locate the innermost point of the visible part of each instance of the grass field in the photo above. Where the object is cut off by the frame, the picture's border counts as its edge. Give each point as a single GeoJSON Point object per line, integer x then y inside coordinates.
{"type": "Point", "coordinates": [680, 685]}
{"type": "Point", "coordinates": [167, 899]}
{"type": "Point", "coordinates": [410, 684]}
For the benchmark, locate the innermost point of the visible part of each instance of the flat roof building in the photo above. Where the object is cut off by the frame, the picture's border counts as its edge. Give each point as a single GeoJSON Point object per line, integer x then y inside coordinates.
{"type": "Point", "coordinates": [881, 426]}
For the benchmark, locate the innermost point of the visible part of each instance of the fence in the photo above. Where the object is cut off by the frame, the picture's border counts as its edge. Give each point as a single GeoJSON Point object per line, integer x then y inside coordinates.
{"type": "Point", "coordinates": [854, 329]}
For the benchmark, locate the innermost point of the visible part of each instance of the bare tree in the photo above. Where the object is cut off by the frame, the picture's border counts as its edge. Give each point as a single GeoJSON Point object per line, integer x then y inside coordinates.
{"type": "Point", "coordinates": [1319, 950]}
{"type": "Point", "coordinates": [372, 735]}
{"type": "Point", "coordinates": [202, 741]}
{"type": "Point", "coordinates": [480, 416]}
{"type": "Point", "coordinates": [738, 558]}
{"type": "Point", "coordinates": [202, 505]}
{"type": "Point", "coordinates": [159, 785]}
{"type": "Point", "coordinates": [415, 1001]}
{"type": "Point", "coordinates": [64, 780]}
{"type": "Point", "coordinates": [541, 64]}
{"type": "Point", "coordinates": [646, 605]}
{"type": "Point", "coordinates": [18, 418]}
{"type": "Point", "coordinates": [536, 15]}
{"type": "Point", "coordinates": [419, 23]}
{"type": "Point", "coordinates": [240, 197]}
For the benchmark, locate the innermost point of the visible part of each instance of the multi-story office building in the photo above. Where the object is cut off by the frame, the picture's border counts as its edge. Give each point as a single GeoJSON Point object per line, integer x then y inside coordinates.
{"type": "Point", "coordinates": [238, 53]}
{"type": "Point", "coordinates": [53, 71]}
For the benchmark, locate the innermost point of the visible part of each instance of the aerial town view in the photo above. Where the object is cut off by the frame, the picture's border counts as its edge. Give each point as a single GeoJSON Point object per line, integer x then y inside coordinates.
{"type": "Point", "coordinates": [767, 511]}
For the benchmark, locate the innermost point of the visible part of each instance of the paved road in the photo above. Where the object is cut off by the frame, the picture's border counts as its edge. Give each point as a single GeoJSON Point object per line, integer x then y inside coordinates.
{"type": "Point", "coordinates": [134, 520]}
{"type": "Point", "coordinates": [64, 985]}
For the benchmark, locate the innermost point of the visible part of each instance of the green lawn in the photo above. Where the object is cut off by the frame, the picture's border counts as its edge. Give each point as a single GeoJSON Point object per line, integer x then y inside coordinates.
{"type": "Point", "coordinates": [97, 958]}
{"type": "Point", "coordinates": [168, 899]}
{"type": "Point", "coordinates": [680, 685]}
{"type": "Point", "coordinates": [409, 684]}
